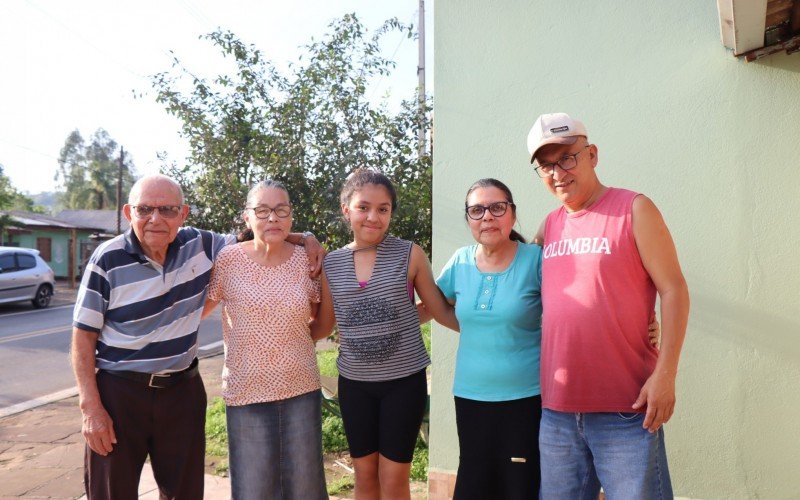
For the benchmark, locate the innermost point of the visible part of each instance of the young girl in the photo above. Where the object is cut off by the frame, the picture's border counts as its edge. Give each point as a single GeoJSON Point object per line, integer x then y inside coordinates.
{"type": "Point", "coordinates": [368, 289]}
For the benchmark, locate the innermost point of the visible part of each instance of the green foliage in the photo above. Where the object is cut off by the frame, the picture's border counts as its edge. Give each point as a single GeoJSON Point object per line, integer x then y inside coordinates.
{"type": "Point", "coordinates": [88, 173]}
{"type": "Point", "coordinates": [216, 433]}
{"type": "Point", "coordinates": [327, 362]}
{"type": "Point", "coordinates": [426, 336]}
{"type": "Point", "coordinates": [333, 437]}
{"type": "Point", "coordinates": [309, 129]}
{"type": "Point", "coordinates": [5, 189]}
{"type": "Point", "coordinates": [11, 199]}
{"type": "Point", "coordinates": [419, 464]}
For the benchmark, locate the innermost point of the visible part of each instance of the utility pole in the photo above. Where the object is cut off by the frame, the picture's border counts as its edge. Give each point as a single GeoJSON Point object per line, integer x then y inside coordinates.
{"type": "Point", "coordinates": [119, 191]}
{"type": "Point", "coordinates": [421, 76]}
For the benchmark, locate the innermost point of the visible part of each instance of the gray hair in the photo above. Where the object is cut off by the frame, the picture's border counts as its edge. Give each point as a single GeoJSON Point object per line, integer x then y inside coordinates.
{"type": "Point", "coordinates": [265, 184]}
{"type": "Point", "coordinates": [246, 234]}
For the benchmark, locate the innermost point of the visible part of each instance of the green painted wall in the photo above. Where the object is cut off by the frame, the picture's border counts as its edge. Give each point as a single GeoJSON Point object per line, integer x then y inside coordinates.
{"type": "Point", "coordinates": [59, 254]}
{"type": "Point", "coordinates": [711, 139]}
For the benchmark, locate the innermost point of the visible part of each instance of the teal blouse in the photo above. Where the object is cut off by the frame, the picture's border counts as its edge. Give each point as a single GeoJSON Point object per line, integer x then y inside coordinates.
{"type": "Point", "coordinates": [500, 319]}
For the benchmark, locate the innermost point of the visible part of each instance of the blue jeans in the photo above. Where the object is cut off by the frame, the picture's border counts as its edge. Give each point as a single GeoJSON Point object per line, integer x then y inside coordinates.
{"type": "Point", "coordinates": [582, 451]}
{"type": "Point", "coordinates": [275, 449]}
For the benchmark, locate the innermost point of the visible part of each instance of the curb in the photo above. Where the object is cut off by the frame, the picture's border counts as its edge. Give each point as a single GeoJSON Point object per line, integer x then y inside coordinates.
{"type": "Point", "coordinates": [208, 351]}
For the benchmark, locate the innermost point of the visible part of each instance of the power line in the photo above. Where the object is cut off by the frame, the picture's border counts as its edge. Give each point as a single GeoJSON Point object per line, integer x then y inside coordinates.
{"type": "Point", "coordinates": [197, 14]}
{"type": "Point", "coordinates": [396, 49]}
{"type": "Point", "coordinates": [111, 57]}
{"type": "Point", "coordinates": [28, 149]}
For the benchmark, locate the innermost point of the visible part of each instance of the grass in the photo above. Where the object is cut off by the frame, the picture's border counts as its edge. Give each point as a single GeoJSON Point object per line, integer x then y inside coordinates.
{"type": "Point", "coordinates": [340, 485]}
{"type": "Point", "coordinates": [216, 435]}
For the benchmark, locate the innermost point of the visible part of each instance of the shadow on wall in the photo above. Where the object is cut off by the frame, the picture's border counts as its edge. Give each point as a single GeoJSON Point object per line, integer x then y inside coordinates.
{"type": "Point", "coordinates": [737, 404]}
{"type": "Point", "coordinates": [788, 62]}
{"type": "Point", "coordinates": [761, 330]}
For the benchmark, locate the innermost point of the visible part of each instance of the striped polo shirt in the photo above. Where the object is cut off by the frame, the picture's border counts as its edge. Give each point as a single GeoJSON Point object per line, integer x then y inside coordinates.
{"type": "Point", "coordinates": [147, 315]}
{"type": "Point", "coordinates": [378, 323]}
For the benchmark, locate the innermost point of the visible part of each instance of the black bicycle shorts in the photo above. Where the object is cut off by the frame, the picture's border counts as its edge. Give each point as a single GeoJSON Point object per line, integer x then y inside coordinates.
{"type": "Point", "coordinates": [383, 416]}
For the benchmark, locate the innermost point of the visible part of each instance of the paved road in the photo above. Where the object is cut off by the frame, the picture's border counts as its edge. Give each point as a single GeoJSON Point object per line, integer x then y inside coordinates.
{"type": "Point", "coordinates": [34, 347]}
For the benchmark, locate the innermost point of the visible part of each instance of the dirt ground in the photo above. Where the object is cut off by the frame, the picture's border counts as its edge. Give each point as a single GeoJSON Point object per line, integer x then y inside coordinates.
{"type": "Point", "coordinates": [338, 471]}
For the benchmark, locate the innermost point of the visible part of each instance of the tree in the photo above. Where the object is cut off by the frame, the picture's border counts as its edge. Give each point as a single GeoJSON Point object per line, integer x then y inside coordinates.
{"type": "Point", "coordinates": [11, 199]}
{"type": "Point", "coordinates": [88, 173]}
{"type": "Point", "coordinates": [309, 129]}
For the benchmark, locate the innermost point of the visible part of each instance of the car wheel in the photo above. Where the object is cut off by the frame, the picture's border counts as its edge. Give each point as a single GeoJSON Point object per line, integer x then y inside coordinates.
{"type": "Point", "coordinates": [43, 296]}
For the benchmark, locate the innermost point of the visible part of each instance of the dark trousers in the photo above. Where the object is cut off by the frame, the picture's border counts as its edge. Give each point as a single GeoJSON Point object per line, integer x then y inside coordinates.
{"type": "Point", "coordinates": [499, 449]}
{"type": "Point", "coordinates": [167, 424]}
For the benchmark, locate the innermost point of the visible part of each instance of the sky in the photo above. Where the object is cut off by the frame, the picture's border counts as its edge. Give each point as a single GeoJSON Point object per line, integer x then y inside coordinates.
{"type": "Point", "coordinates": [79, 64]}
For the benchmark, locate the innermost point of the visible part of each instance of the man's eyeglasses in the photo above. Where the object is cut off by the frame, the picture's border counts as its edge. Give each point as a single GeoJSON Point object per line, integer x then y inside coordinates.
{"type": "Point", "coordinates": [567, 162]}
{"type": "Point", "coordinates": [498, 209]}
{"type": "Point", "coordinates": [165, 211]}
{"type": "Point", "coordinates": [263, 212]}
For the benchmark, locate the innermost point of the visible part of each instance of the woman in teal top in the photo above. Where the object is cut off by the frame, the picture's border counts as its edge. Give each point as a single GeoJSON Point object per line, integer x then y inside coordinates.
{"type": "Point", "coordinates": [507, 303]}
{"type": "Point", "coordinates": [495, 286]}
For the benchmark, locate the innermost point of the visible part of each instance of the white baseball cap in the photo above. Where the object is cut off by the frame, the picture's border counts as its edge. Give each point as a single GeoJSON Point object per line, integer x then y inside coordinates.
{"type": "Point", "coordinates": [554, 128]}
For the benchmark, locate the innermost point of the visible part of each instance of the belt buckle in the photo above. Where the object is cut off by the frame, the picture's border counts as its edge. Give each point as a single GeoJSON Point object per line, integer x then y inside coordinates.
{"type": "Point", "coordinates": [153, 377]}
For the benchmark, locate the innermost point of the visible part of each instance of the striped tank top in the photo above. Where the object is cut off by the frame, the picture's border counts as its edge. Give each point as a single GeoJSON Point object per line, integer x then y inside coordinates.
{"type": "Point", "coordinates": [379, 330]}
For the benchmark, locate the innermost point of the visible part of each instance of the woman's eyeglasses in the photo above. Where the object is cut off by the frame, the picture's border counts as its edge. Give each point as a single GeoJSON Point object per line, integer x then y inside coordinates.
{"type": "Point", "coordinates": [498, 209]}
{"type": "Point", "coordinates": [263, 211]}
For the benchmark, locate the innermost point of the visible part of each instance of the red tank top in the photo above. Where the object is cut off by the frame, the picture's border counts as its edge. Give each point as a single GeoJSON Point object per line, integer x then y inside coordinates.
{"type": "Point", "coordinates": [597, 299]}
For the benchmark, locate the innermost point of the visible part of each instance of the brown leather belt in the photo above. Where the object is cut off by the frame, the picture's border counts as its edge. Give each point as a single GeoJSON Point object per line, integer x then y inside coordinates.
{"type": "Point", "coordinates": [155, 380]}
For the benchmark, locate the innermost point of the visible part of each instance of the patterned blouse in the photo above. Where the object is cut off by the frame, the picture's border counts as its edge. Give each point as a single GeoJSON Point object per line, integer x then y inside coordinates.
{"type": "Point", "coordinates": [269, 353]}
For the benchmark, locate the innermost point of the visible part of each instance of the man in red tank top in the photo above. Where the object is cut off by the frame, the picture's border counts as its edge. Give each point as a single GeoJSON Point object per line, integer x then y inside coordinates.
{"type": "Point", "coordinates": [606, 392]}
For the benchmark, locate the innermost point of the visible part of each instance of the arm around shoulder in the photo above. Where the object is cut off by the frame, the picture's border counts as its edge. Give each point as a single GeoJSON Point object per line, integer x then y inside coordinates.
{"type": "Point", "coordinates": [314, 250]}
{"type": "Point", "coordinates": [432, 297]}
{"type": "Point", "coordinates": [323, 319]}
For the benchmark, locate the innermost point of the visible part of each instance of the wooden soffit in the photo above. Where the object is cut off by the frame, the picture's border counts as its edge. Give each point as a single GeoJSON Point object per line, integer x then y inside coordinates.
{"type": "Point", "coordinates": [758, 28]}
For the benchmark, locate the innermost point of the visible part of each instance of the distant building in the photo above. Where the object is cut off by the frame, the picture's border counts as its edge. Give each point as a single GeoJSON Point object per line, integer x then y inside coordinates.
{"type": "Point", "coordinates": [103, 219]}
{"type": "Point", "coordinates": [53, 238]}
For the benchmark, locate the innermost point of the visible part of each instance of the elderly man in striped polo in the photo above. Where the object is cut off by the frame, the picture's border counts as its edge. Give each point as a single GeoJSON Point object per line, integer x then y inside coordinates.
{"type": "Point", "coordinates": [136, 321]}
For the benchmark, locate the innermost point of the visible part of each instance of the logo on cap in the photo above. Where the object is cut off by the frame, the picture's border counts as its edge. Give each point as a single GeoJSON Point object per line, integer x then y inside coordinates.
{"type": "Point", "coordinates": [559, 129]}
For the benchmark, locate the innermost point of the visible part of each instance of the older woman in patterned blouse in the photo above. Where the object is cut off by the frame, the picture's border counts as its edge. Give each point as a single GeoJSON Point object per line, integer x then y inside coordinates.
{"type": "Point", "coordinates": [270, 381]}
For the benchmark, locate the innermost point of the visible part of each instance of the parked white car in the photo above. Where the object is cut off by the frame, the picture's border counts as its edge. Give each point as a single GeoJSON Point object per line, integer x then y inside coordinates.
{"type": "Point", "coordinates": [25, 276]}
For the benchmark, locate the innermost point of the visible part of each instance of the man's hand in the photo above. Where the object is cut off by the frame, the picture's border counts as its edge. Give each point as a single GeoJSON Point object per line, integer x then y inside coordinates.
{"type": "Point", "coordinates": [658, 393]}
{"type": "Point", "coordinates": [316, 253]}
{"type": "Point", "coordinates": [98, 429]}
{"type": "Point", "coordinates": [653, 333]}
